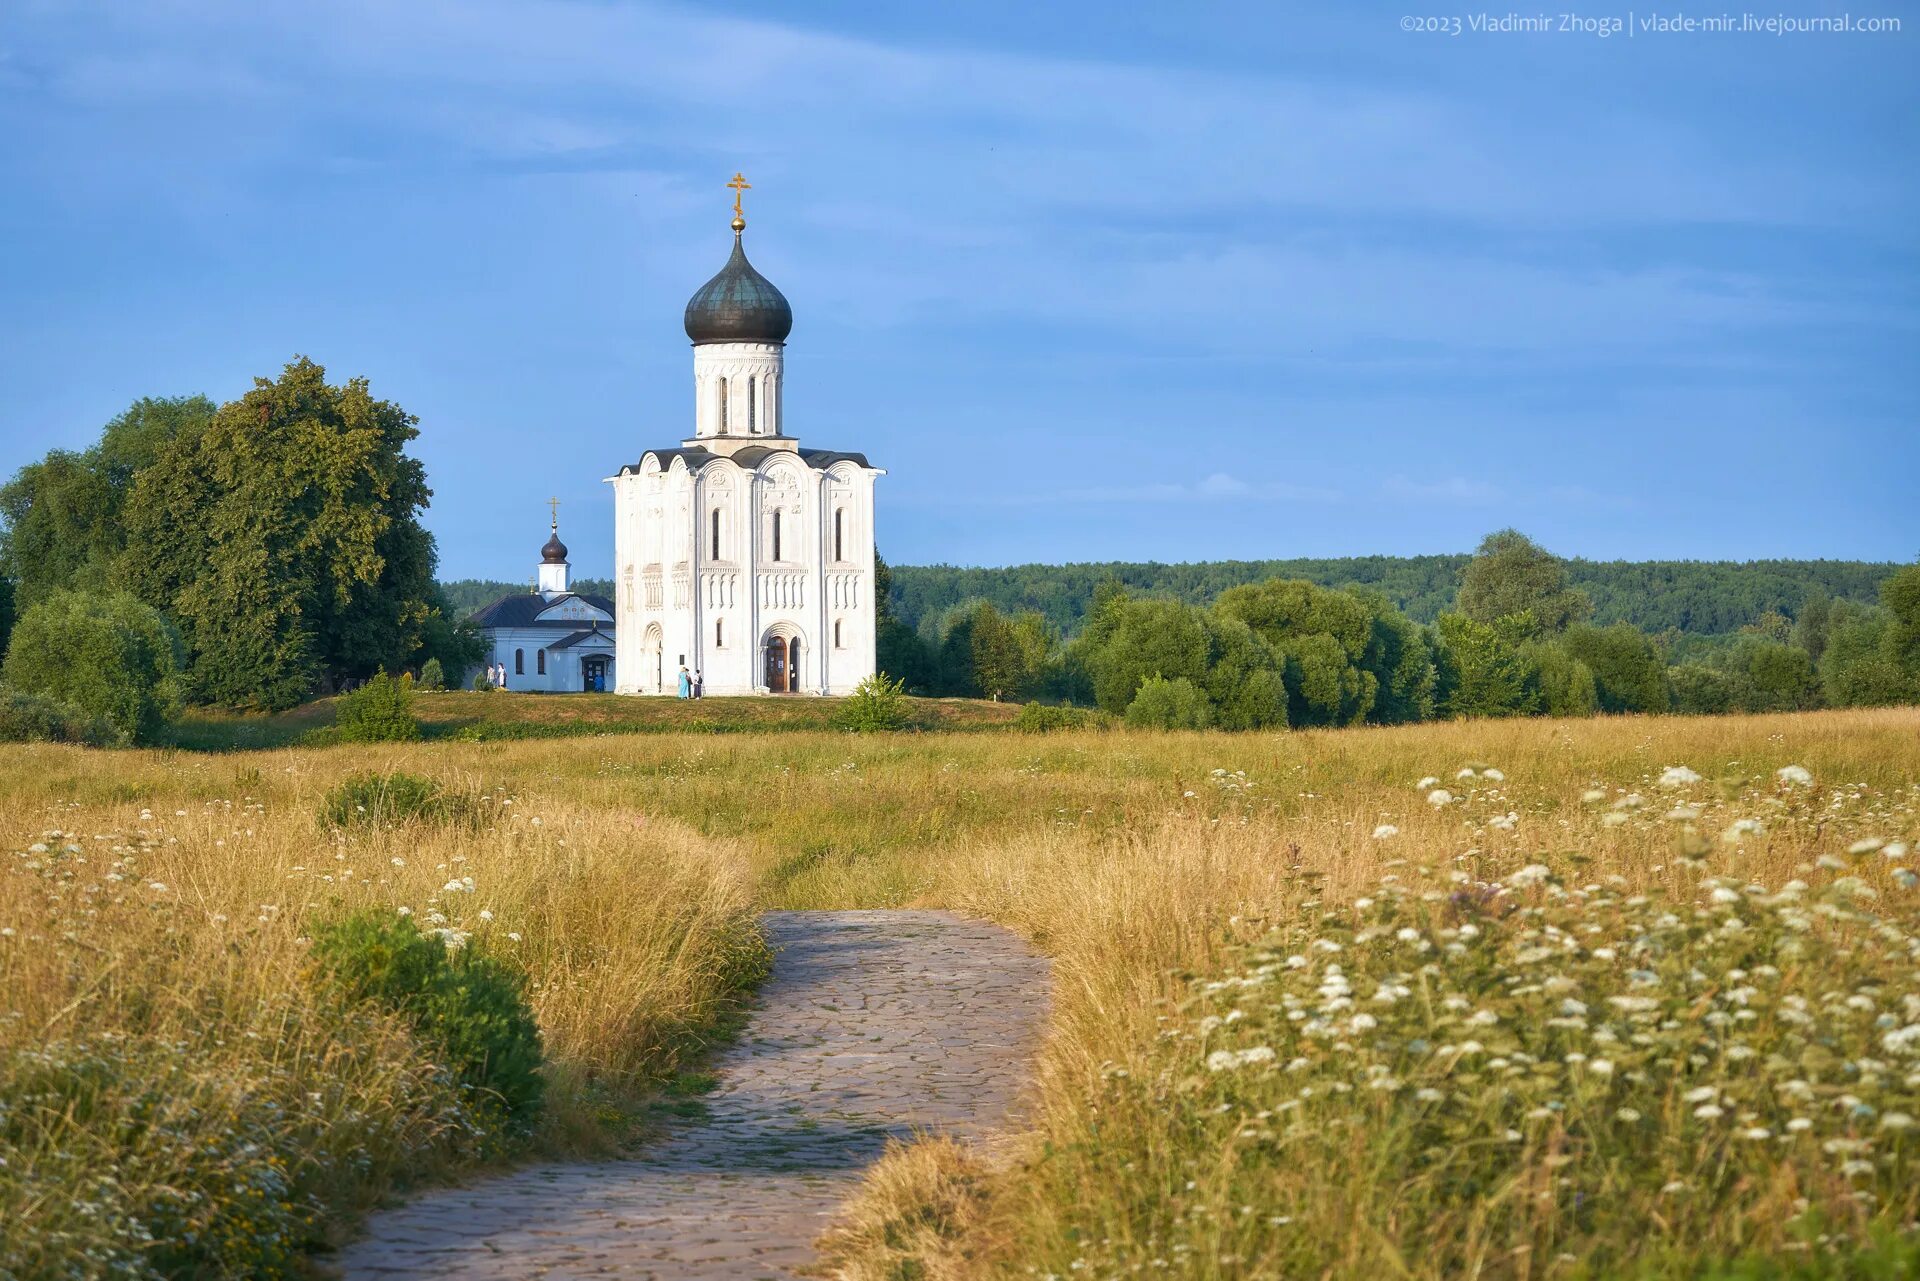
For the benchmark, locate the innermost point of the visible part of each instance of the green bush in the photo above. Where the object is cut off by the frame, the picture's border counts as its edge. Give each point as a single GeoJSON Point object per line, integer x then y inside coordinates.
{"type": "Point", "coordinates": [1699, 690]}
{"type": "Point", "coordinates": [1628, 675]}
{"type": "Point", "coordinates": [1042, 718]}
{"type": "Point", "coordinates": [877, 704]}
{"type": "Point", "coordinates": [468, 1005]}
{"type": "Point", "coordinates": [111, 657]}
{"type": "Point", "coordinates": [1768, 676]}
{"type": "Point", "coordinates": [387, 800]}
{"type": "Point", "coordinates": [1565, 684]}
{"type": "Point", "coordinates": [481, 684]}
{"type": "Point", "coordinates": [34, 718]}
{"type": "Point", "coordinates": [1169, 704]}
{"type": "Point", "coordinates": [432, 675]}
{"type": "Point", "coordinates": [380, 711]}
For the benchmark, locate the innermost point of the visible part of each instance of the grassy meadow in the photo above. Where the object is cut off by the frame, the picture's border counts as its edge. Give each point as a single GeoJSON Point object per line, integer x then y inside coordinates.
{"type": "Point", "coordinates": [1609, 997]}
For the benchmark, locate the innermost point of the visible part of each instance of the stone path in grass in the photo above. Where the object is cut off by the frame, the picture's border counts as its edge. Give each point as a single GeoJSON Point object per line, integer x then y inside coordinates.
{"type": "Point", "coordinates": [873, 1025]}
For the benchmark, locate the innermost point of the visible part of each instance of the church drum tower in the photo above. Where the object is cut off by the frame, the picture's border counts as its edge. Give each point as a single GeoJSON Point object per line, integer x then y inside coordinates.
{"type": "Point", "coordinates": [739, 554]}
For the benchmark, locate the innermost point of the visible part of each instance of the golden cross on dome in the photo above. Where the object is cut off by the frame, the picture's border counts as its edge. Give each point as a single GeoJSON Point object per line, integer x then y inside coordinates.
{"type": "Point", "coordinates": [554, 504]}
{"type": "Point", "coordinates": [739, 184]}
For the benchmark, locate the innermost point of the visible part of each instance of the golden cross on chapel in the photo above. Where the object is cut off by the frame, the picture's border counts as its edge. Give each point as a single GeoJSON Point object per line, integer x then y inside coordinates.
{"type": "Point", "coordinates": [739, 184]}
{"type": "Point", "coordinates": [554, 504]}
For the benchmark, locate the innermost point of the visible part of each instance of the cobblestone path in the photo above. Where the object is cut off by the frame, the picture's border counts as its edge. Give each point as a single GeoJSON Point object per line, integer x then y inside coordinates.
{"type": "Point", "coordinates": [874, 1024]}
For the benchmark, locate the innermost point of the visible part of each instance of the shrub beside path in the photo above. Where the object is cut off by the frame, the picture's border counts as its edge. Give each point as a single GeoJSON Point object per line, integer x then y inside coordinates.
{"type": "Point", "coordinates": [874, 1025]}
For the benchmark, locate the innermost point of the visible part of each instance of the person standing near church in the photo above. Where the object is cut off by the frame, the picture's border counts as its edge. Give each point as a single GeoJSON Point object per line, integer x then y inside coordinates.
{"type": "Point", "coordinates": [686, 682]}
{"type": "Point", "coordinates": [699, 685]}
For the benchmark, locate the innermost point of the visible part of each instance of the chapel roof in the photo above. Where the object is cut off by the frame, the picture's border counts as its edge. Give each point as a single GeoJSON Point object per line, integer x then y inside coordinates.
{"type": "Point", "coordinates": [567, 642]}
{"type": "Point", "coordinates": [523, 609]}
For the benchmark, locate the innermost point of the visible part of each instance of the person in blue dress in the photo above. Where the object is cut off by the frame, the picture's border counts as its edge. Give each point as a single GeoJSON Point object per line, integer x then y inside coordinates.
{"type": "Point", "coordinates": [686, 683]}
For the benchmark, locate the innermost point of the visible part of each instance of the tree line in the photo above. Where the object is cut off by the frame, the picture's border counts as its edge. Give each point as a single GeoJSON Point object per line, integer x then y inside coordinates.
{"type": "Point", "coordinates": [248, 555]}
{"type": "Point", "coordinates": [1693, 598]}
{"type": "Point", "coordinates": [1520, 637]}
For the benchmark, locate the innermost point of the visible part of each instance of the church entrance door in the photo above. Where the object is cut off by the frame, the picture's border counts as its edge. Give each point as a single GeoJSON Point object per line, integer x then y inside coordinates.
{"type": "Point", "coordinates": [782, 664]}
{"type": "Point", "coordinates": [593, 675]}
{"type": "Point", "coordinates": [776, 665]}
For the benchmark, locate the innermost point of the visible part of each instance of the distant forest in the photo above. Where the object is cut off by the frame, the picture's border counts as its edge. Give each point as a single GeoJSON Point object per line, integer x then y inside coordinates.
{"type": "Point", "coordinates": [1699, 598]}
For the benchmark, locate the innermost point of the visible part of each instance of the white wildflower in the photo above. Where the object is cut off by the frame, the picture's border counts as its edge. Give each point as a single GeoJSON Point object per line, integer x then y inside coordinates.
{"type": "Point", "coordinates": [1439, 796]}
{"type": "Point", "coordinates": [1678, 776]}
{"type": "Point", "coordinates": [1385, 832]}
{"type": "Point", "coordinates": [1224, 1060]}
{"type": "Point", "coordinates": [1796, 775]}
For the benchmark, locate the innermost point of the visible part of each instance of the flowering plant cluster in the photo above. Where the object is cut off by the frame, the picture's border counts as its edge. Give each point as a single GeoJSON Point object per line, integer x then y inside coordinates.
{"type": "Point", "coordinates": [1490, 1073]}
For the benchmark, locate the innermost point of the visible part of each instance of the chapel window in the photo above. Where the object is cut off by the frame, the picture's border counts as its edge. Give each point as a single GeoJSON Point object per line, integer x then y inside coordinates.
{"type": "Point", "coordinates": [519, 662]}
{"type": "Point", "coordinates": [719, 633]}
{"type": "Point", "coordinates": [723, 405]}
{"type": "Point", "coordinates": [776, 536]}
{"type": "Point", "coordinates": [753, 406]}
{"type": "Point", "coordinates": [716, 534]}
{"type": "Point", "coordinates": [837, 642]}
{"type": "Point", "coordinates": [839, 533]}
{"type": "Point", "coordinates": [540, 662]}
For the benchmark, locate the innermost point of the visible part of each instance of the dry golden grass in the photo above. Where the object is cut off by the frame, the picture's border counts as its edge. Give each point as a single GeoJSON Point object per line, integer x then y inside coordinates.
{"type": "Point", "coordinates": [1122, 854]}
{"type": "Point", "coordinates": [156, 911]}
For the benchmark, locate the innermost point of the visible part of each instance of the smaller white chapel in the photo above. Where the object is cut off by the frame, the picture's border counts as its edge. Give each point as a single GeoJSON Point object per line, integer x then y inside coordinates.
{"type": "Point", "coordinates": [552, 638]}
{"type": "Point", "coordinates": [738, 553]}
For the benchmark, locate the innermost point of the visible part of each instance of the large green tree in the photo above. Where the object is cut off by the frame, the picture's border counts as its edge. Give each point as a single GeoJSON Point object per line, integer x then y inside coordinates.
{"type": "Point", "coordinates": [62, 519]}
{"type": "Point", "coordinates": [1484, 671]}
{"type": "Point", "coordinates": [1238, 672]}
{"type": "Point", "coordinates": [1322, 635]}
{"type": "Point", "coordinates": [1766, 675]}
{"type": "Point", "coordinates": [1510, 575]}
{"type": "Point", "coordinates": [1629, 675]}
{"type": "Point", "coordinates": [1398, 656]}
{"type": "Point", "coordinates": [285, 538]}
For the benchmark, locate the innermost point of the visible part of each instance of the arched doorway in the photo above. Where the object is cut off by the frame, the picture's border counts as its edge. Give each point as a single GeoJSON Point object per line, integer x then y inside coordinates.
{"type": "Point", "coordinates": [780, 657]}
{"type": "Point", "coordinates": [652, 660]}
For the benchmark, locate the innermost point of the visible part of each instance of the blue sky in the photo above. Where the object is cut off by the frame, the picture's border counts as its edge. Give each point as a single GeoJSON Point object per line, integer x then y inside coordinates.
{"type": "Point", "coordinates": [1093, 281]}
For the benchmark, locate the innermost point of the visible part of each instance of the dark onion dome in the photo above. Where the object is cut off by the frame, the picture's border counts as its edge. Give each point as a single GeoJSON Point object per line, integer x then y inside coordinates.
{"type": "Point", "coordinates": [738, 305]}
{"type": "Point", "coordinates": [555, 552]}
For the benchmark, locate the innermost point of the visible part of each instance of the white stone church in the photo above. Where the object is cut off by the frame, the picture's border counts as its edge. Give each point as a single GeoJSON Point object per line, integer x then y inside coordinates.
{"type": "Point", "coordinates": [737, 553]}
